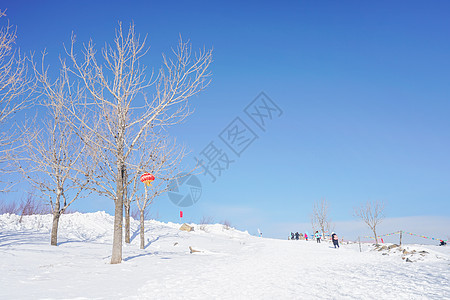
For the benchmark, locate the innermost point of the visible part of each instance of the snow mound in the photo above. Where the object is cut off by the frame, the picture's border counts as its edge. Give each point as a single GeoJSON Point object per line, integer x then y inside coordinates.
{"type": "Point", "coordinates": [77, 226]}
{"type": "Point", "coordinates": [410, 253]}
{"type": "Point", "coordinates": [98, 226]}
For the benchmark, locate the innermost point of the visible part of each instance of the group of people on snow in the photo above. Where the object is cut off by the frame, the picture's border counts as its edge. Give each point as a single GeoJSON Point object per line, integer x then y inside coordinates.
{"type": "Point", "coordinates": [317, 235]}
{"type": "Point", "coordinates": [334, 238]}
{"type": "Point", "coordinates": [298, 236]}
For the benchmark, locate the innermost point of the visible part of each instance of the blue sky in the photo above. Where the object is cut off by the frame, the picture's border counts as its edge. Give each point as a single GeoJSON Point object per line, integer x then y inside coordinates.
{"type": "Point", "coordinates": [364, 90]}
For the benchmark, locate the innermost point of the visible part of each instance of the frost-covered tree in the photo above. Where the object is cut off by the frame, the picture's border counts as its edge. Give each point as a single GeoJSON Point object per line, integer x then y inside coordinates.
{"type": "Point", "coordinates": [15, 87]}
{"type": "Point", "coordinates": [371, 213]}
{"type": "Point", "coordinates": [117, 109]}
{"type": "Point", "coordinates": [320, 218]}
{"type": "Point", "coordinates": [157, 155]}
{"type": "Point", "coordinates": [53, 158]}
{"type": "Point", "coordinates": [162, 158]}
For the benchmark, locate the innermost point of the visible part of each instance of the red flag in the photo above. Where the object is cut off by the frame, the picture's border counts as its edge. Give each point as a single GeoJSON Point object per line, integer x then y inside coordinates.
{"type": "Point", "coordinates": [181, 213]}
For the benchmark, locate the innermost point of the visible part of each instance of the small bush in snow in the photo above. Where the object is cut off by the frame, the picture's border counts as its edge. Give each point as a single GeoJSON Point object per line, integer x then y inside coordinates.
{"type": "Point", "coordinates": [226, 224]}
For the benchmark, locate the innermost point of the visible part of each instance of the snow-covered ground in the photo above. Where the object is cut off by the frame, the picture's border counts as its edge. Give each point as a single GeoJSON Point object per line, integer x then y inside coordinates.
{"type": "Point", "coordinates": [231, 265]}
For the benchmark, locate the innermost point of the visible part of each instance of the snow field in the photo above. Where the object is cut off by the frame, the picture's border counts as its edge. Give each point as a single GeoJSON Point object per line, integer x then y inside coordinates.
{"type": "Point", "coordinates": [231, 265]}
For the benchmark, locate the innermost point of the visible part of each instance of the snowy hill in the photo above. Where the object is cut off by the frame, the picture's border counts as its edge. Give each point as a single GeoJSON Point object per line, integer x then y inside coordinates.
{"type": "Point", "coordinates": [230, 265]}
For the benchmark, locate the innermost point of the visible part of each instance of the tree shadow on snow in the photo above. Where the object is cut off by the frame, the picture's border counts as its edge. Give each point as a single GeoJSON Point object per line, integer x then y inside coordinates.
{"type": "Point", "coordinates": [147, 232]}
{"type": "Point", "coordinates": [149, 254]}
{"type": "Point", "coordinates": [135, 234]}
{"type": "Point", "coordinates": [20, 238]}
{"type": "Point", "coordinates": [155, 239]}
{"type": "Point", "coordinates": [91, 241]}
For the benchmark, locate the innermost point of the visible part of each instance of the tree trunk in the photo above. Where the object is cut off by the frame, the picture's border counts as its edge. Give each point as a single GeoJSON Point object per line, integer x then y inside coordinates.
{"type": "Point", "coordinates": [54, 234]}
{"type": "Point", "coordinates": [56, 215]}
{"type": "Point", "coordinates": [116, 257]}
{"type": "Point", "coordinates": [127, 222]}
{"type": "Point", "coordinates": [141, 233]}
{"type": "Point", "coordinates": [127, 205]}
{"type": "Point", "coordinates": [375, 235]}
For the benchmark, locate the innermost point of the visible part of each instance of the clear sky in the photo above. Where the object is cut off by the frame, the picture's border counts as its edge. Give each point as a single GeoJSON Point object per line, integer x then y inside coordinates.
{"type": "Point", "coordinates": [363, 89]}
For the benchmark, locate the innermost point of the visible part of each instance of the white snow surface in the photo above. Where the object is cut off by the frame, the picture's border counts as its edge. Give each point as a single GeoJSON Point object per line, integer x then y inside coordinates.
{"type": "Point", "coordinates": [230, 265]}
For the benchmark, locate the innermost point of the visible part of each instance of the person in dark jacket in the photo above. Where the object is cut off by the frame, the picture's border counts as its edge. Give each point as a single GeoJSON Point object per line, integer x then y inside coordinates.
{"type": "Point", "coordinates": [297, 236]}
{"type": "Point", "coordinates": [335, 239]}
{"type": "Point", "coordinates": [292, 236]}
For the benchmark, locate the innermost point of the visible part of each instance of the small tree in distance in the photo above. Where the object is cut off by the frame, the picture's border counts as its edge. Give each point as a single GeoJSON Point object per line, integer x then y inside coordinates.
{"type": "Point", "coordinates": [320, 218]}
{"type": "Point", "coordinates": [160, 157]}
{"type": "Point", "coordinates": [371, 213]}
{"type": "Point", "coordinates": [155, 154]}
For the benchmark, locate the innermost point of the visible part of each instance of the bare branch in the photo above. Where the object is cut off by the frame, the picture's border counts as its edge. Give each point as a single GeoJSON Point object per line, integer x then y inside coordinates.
{"type": "Point", "coordinates": [320, 218]}
{"type": "Point", "coordinates": [53, 159]}
{"type": "Point", "coordinates": [371, 213]}
{"type": "Point", "coordinates": [115, 116]}
{"type": "Point", "coordinates": [15, 91]}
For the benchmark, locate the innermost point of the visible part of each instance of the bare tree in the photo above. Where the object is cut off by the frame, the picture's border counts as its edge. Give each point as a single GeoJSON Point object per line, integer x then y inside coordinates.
{"type": "Point", "coordinates": [320, 218]}
{"type": "Point", "coordinates": [313, 223]}
{"type": "Point", "coordinates": [116, 109]}
{"type": "Point", "coordinates": [15, 87]}
{"type": "Point", "coordinates": [371, 213]}
{"type": "Point", "coordinates": [226, 224]}
{"type": "Point", "coordinates": [161, 158]}
{"type": "Point", "coordinates": [206, 220]}
{"type": "Point", "coordinates": [53, 159]}
{"type": "Point", "coordinates": [30, 206]}
{"type": "Point", "coordinates": [25, 207]}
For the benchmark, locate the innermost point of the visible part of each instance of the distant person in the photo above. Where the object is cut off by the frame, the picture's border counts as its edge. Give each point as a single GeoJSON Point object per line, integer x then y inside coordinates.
{"type": "Point", "coordinates": [335, 240]}
{"type": "Point", "coordinates": [317, 235]}
{"type": "Point", "coordinates": [442, 243]}
{"type": "Point", "coordinates": [297, 236]}
{"type": "Point", "coordinates": [306, 236]}
{"type": "Point", "coordinates": [292, 236]}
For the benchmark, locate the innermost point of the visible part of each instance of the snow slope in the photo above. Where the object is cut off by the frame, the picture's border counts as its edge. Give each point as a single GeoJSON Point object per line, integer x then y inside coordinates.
{"type": "Point", "coordinates": [231, 265]}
